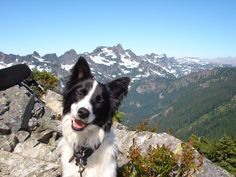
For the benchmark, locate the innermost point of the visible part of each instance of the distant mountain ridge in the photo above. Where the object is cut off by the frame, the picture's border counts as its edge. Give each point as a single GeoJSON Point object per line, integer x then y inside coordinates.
{"type": "Point", "coordinates": [111, 62]}
{"type": "Point", "coordinates": [159, 84]}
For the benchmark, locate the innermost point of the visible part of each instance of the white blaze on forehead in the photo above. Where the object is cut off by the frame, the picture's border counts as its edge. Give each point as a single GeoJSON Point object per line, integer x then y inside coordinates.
{"type": "Point", "coordinates": [85, 103]}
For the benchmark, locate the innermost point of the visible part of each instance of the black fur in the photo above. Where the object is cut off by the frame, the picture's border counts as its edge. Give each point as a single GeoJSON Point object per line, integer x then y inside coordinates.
{"type": "Point", "coordinates": [105, 99]}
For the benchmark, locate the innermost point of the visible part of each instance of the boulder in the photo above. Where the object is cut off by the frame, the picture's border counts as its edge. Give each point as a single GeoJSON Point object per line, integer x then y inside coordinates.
{"type": "Point", "coordinates": [4, 103]}
{"type": "Point", "coordinates": [15, 165]}
{"type": "Point", "coordinates": [8, 143]}
{"type": "Point", "coordinates": [4, 129]}
{"type": "Point", "coordinates": [145, 139]}
{"type": "Point", "coordinates": [54, 101]}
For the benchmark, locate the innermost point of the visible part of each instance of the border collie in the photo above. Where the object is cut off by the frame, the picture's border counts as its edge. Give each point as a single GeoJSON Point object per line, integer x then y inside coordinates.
{"type": "Point", "coordinates": [88, 146]}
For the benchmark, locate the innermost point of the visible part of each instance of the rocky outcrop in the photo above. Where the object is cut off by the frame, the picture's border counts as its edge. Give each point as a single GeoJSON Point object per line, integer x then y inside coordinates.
{"type": "Point", "coordinates": [33, 151]}
{"type": "Point", "coordinates": [54, 101]}
{"type": "Point", "coordinates": [145, 139]}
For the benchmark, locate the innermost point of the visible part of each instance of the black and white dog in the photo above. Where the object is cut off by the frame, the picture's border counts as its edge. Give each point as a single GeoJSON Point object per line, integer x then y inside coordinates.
{"type": "Point", "coordinates": [88, 146]}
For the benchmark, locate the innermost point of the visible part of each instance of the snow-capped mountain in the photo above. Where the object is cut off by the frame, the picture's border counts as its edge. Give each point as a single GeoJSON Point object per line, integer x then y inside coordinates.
{"type": "Point", "coordinates": [111, 62]}
{"type": "Point", "coordinates": [153, 75]}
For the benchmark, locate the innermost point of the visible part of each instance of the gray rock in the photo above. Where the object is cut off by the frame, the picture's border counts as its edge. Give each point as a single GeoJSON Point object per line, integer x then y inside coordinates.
{"type": "Point", "coordinates": [17, 101]}
{"type": "Point", "coordinates": [48, 121]}
{"type": "Point", "coordinates": [22, 135]}
{"type": "Point", "coordinates": [15, 165]}
{"type": "Point", "coordinates": [4, 129]}
{"type": "Point", "coordinates": [212, 170]}
{"type": "Point", "coordinates": [119, 126]}
{"type": "Point", "coordinates": [38, 110]}
{"type": "Point", "coordinates": [14, 123]}
{"type": "Point", "coordinates": [4, 103]}
{"type": "Point", "coordinates": [8, 143]}
{"type": "Point", "coordinates": [33, 124]}
{"type": "Point", "coordinates": [3, 109]}
{"type": "Point", "coordinates": [45, 136]}
{"type": "Point", "coordinates": [35, 150]}
{"type": "Point", "coordinates": [53, 101]}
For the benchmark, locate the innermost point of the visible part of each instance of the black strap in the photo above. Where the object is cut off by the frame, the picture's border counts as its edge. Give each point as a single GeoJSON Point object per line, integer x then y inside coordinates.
{"type": "Point", "coordinates": [27, 114]}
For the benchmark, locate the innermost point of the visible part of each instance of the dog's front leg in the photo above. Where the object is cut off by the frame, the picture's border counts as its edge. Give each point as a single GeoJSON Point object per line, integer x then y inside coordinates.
{"type": "Point", "coordinates": [109, 171]}
{"type": "Point", "coordinates": [69, 169]}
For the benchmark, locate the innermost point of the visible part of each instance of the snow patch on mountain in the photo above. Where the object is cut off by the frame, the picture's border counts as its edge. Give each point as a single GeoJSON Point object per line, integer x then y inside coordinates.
{"type": "Point", "coordinates": [3, 65]}
{"type": "Point", "coordinates": [42, 60]}
{"type": "Point", "coordinates": [124, 71]}
{"type": "Point", "coordinates": [128, 62]}
{"type": "Point", "coordinates": [191, 60]}
{"type": "Point", "coordinates": [67, 67]}
{"type": "Point", "coordinates": [102, 61]}
{"type": "Point", "coordinates": [109, 53]}
{"type": "Point", "coordinates": [31, 66]}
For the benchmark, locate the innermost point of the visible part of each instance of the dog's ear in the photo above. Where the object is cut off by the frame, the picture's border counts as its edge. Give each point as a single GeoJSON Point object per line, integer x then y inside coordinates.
{"type": "Point", "coordinates": [118, 89]}
{"type": "Point", "coordinates": [81, 70]}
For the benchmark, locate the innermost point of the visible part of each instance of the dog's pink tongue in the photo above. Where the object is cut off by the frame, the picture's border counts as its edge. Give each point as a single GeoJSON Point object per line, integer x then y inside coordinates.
{"type": "Point", "coordinates": [78, 124]}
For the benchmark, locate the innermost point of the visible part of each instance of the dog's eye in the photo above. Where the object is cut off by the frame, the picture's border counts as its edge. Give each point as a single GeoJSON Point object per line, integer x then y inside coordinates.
{"type": "Point", "coordinates": [80, 94]}
{"type": "Point", "coordinates": [98, 99]}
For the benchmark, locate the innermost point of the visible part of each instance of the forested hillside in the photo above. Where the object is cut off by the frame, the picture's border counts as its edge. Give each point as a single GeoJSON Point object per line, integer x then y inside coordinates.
{"type": "Point", "coordinates": [202, 103]}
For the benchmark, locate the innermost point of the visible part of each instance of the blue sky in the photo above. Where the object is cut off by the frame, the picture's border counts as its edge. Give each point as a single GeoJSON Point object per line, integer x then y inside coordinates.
{"type": "Point", "coordinates": [201, 28]}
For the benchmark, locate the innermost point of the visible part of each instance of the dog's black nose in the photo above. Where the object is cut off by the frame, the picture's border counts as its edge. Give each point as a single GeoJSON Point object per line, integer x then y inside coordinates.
{"type": "Point", "coordinates": [83, 113]}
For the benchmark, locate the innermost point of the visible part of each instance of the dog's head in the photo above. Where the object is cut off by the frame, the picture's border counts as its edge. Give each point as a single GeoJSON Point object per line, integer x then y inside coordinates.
{"type": "Point", "coordinates": [89, 102]}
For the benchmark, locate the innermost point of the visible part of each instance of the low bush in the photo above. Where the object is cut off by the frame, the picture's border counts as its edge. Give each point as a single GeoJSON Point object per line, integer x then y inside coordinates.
{"type": "Point", "coordinates": [144, 126]}
{"type": "Point", "coordinates": [118, 117]}
{"type": "Point", "coordinates": [45, 79]}
{"type": "Point", "coordinates": [161, 162]}
{"type": "Point", "coordinates": [222, 151]}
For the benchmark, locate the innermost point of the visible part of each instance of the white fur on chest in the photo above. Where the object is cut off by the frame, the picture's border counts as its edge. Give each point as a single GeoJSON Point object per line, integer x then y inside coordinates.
{"type": "Point", "coordinates": [102, 163]}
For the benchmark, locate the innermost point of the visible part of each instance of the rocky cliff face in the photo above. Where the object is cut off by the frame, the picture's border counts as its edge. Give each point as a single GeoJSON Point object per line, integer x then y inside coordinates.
{"type": "Point", "coordinates": [28, 144]}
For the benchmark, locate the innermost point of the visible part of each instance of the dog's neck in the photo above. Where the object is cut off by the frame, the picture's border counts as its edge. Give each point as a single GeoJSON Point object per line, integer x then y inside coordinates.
{"type": "Point", "coordinates": [81, 154]}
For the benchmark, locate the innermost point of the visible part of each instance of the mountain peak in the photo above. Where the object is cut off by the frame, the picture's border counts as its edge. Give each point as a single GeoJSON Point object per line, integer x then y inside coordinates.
{"type": "Point", "coordinates": [98, 49]}
{"type": "Point", "coordinates": [36, 54]}
{"type": "Point", "coordinates": [51, 56]}
{"type": "Point", "coordinates": [71, 52]}
{"type": "Point", "coordinates": [69, 57]}
{"type": "Point", "coordinates": [119, 48]}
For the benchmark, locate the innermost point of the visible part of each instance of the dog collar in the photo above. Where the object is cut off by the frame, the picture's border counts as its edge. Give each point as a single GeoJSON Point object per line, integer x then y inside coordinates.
{"type": "Point", "coordinates": [81, 154]}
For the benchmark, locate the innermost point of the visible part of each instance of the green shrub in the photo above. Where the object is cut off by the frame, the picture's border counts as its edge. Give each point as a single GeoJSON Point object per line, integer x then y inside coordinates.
{"type": "Point", "coordinates": [46, 80]}
{"type": "Point", "coordinates": [118, 117]}
{"type": "Point", "coordinates": [222, 151]}
{"type": "Point", "coordinates": [161, 161]}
